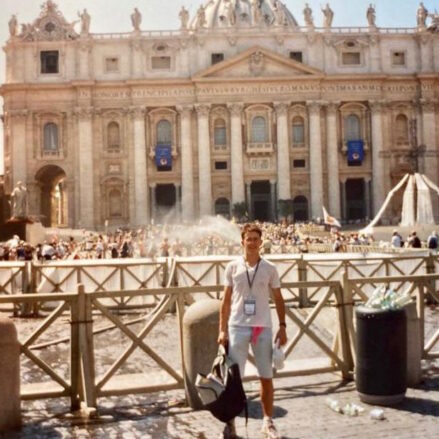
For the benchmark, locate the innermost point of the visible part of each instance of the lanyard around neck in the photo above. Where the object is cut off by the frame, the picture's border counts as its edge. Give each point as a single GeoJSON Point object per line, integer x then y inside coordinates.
{"type": "Point", "coordinates": [251, 282]}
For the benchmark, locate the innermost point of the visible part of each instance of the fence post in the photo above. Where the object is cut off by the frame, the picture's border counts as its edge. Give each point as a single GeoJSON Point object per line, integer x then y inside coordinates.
{"type": "Point", "coordinates": [348, 312]}
{"type": "Point", "coordinates": [302, 274]}
{"type": "Point", "coordinates": [430, 268]}
{"type": "Point", "coordinates": [83, 367]}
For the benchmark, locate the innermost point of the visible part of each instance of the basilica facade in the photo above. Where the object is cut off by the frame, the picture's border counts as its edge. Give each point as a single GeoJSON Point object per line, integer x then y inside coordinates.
{"type": "Point", "coordinates": [240, 110]}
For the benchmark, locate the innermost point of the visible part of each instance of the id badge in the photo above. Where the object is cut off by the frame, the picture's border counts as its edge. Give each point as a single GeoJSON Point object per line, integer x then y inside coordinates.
{"type": "Point", "coordinates": [250, 307]}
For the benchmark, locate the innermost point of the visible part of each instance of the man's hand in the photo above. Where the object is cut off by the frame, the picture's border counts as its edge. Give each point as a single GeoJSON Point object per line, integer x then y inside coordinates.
{"type": "Point", "coordinates": [281, 336]}
{"type": "Point", "coordinates": [223, 338]}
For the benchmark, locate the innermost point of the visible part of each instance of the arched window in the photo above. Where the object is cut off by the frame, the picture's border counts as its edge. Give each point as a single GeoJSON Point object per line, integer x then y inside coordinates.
{"type": "Point", "coordinates": [300, 208]}
{"type": "Point", "coordinates": [298, 131]}
{"type": "Point", "coordinates": [402, 129]}
{"type": "Point", "coordinates": [259, 130]}
{"type": "Point", "coordinates": [222, 207]}
{"type": "Point", "coordinates": [113, 136]}
{"type": "Point", "coordinates": [352, 128]}
{"type": "Point", "coordinates": [115, 203]}
{"type": "Point", "coordinates": [50, 137]}
{"type": "Point", "coordinates": [164, 132]}
{"type": "Point", "coordinates": [220, 133]}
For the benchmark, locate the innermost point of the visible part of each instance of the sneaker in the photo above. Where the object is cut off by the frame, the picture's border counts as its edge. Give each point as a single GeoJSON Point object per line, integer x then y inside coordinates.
{"type": "Point", "coordinates": [229, 431]}
{"type": "Point", "coordinates": [269, 430]}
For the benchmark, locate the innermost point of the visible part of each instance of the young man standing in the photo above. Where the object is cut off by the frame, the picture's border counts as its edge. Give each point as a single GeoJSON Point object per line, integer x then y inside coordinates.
{"type": "Point", "coordinates": [245, 319]}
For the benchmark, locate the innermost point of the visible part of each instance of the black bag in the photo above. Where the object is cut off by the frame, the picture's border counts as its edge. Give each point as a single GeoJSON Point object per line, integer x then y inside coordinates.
{"type": "Point", "coordinates": [223, 389]}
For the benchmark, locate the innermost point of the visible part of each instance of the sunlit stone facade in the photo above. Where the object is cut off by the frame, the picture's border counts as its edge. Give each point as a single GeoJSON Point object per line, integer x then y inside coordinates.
{"type": "Point", "coordinates": [240, 105]}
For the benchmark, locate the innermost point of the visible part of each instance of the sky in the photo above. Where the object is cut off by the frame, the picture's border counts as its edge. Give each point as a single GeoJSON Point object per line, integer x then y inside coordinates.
{"type": "Point", "coordinates": [114, 16]}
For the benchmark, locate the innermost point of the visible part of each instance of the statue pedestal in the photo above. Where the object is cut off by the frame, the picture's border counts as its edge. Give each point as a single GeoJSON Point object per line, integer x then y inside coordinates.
{"type": "Point", "coordinates": [26, 229]}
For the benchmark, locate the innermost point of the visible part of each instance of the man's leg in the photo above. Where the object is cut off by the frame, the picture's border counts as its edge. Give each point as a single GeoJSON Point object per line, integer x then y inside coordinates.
{"type": "Point", "coordinates": [267, 393]}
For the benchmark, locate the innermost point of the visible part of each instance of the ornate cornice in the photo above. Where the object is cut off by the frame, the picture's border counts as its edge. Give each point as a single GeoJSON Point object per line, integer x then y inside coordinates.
{"type": "Point", "coordinates": [84, 112]}
{"type": "Point", "coordinates": [18, 114]}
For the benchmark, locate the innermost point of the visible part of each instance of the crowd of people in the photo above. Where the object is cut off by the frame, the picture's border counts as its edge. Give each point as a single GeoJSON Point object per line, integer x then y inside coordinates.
{"type": "Point", "coordinates": [182, 240]}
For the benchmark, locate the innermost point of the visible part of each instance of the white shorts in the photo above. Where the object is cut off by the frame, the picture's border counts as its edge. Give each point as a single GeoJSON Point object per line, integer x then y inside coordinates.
{"type": "Point", "coordinates": [239, 341]}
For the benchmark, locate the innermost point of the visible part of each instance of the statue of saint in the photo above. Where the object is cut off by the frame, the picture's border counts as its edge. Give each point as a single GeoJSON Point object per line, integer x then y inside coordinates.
{"type": "Point", "coordinates": [184, 17]}
{"type": "Point", "coordinates": [257, 13]}
{"type": "Point", "coordinates": [328, 14]}
{"type": "Point", "coordinates": [230, 13]}
{"type": "Point", "coordinates": [307, 14]}
{"type": "Point", "coordinates": [421, 15]}
{"type": "Point", "coordinates": [13, 25]}
{"type": "Point", "coordinates": [201, 17]}
{"type": "Point", "coordinates": [85, 21]}
{"type": "Point", "coordinates": [371, 15]}
{"type": "Point", "coordinates": [19, 201]}
{"type": "Point", "coordinates": [136, 19]}
{"type": "Point", "coordinates": [280, 14]}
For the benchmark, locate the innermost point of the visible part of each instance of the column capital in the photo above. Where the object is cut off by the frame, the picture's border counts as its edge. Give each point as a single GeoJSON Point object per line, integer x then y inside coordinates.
{"type": "Point", "coordinates": [428, 105]}
{"type": "Point", "coordinates": [83, 112]}
{"type": "Point", "coordinates": [314, 107]}
{"type": "Point", "coordinates": [202, 109]}
{"type": "Point", "coordinates": [332, 107]}
{"type": "Point", "coordinates": [377, 106]}
{"type": "Point", "coordinates": [281, 108]}
{"type": "Point", "coordinates": [185, 110]}
{"type": "Point", "coordinates": [137, 112]}
{"type": "Point", "coordinates": [235, 108]}
{"type": "Point", "coordinates": [18, 114]}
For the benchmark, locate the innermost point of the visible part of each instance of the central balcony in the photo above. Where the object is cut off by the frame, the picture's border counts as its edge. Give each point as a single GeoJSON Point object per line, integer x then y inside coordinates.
{"type": "Point", "coordinates": [259, 148]}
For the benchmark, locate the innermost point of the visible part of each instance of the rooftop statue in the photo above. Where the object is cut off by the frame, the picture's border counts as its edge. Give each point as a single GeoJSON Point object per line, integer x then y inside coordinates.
{"type": "Point", "coordinates": [328, 14]}
{"type": "Point", "coordinates": [421, 15]}
{"type": "Point", "coordinates": [257, 13]}
{"type": "Point", "coordinates": [136, 19]}
{"type": "Point", "coordinates": [201, 17]}
{"type": "Point", "coordinates": [13, 25]}
{"type": "Point", "coordinates": [19, 201]}
{"type": "Point", "coordinates": [307, 14]}
{"type": "Point", "coordinates": [371, 16]}
{"type": "Point", "coordinates": [434, 25]}
{"type": "Point", "coordinates": [280, 14]}
{"type": "Point", "coordinates": [85, 21]}
{"type": "Point", "coordinates": [184, 17]}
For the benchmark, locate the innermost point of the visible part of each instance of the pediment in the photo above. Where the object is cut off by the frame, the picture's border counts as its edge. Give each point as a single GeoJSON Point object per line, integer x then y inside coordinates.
{"type": "Point", "coordinates": [257, 62]}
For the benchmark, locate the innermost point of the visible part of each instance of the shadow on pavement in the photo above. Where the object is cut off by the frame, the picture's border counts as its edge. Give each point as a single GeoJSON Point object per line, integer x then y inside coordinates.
{"type": "Point", "coordinates": [421, 406]}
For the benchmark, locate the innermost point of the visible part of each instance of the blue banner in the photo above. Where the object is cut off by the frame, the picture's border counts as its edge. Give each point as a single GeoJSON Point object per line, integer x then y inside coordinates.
{"type": "Point", "coordinates": [355, 151]}
{"type": "Point", "coordinates": [163, 156]}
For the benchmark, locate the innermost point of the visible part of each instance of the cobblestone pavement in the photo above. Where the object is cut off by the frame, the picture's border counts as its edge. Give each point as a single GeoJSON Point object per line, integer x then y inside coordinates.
{"type": "Point", "coordinates": [301, 411]}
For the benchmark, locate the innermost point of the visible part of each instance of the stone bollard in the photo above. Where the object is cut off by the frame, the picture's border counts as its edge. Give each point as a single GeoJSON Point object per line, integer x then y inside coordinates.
{"type": "Point", "coordinates": [10, 410]}
{"type": "Point", "coordinates": [200, 334]}
{"type": "Point", "coordinates": [414, 348]}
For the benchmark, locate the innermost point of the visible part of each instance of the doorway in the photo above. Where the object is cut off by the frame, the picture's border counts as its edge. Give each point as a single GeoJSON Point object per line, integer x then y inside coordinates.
{"type": "Point", "coordinates": [166, 200]}
{"type": "Point", "coordinates": [355, 199]}
{"type": "Point", "coordinates": [261, 200]}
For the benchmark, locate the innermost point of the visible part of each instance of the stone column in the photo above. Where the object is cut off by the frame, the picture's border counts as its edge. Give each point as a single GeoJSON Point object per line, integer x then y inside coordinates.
{"type": "Point", "coordinates": [283, 153]}
{"type": "Point", "coordinates": [152, 188]}
{"type": "Point", "coordinates": [343, 200]}
{"type": "Point", "coordinates": [248, 188]}
{"type": "Point", "coordinates": [204, 167]}
{"type": "Point", "coordinates": [17, 123]}
{"type": "Point", "coordinates": [187, 178]}
{"type": "Point", "coordinates": [140, 168]}
{"type": "Point", "coordinates": [237, 164]}
{"type": "Point", "coordinates": [273, 200]}
{"type": "Point", "coordinates": [332, 161]}
{"type": "Point", "coordinates": [85, 167]}
{"type": "Point", "coordinates": [377, 161]}
{"type": "Point", "coordinates": [367, 197]}
{"type": "Point", "coordinates": [315, 160]}
{"type": "Point", "coordinates": [429, 139]}
{"type": "Point", "coordinates": [178, 200]}
{"type": "Point", "coordinates": [85, 48]}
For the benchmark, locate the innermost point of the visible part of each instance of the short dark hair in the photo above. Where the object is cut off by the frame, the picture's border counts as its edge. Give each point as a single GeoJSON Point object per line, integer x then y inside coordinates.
{"type": "Point", "coordinates": [249, 227]}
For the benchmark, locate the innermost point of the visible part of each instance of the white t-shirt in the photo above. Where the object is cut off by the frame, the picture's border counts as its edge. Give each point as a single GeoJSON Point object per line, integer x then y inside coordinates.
{"type": "Point", "coordinates": [267, 277]}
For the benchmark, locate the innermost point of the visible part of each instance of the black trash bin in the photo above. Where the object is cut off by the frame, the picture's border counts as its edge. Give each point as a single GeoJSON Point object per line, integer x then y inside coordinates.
{"type": "Point", "coordinates": [381, 369]}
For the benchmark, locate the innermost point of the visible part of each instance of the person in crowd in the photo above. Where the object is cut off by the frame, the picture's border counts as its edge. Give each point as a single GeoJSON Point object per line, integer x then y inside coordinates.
{"type": "Point", "coordinates": [396, 241]}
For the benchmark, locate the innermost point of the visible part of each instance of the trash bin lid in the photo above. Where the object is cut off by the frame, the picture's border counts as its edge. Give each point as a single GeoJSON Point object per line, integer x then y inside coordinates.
{"type": "Point", "coordinates": [363, 312]}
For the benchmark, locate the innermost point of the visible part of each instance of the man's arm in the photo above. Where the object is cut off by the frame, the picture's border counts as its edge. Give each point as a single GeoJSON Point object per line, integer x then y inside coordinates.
{"type": "Point", "coordinates": [224, 315]}
{"type": "Point", "coordinates": [281, 334]}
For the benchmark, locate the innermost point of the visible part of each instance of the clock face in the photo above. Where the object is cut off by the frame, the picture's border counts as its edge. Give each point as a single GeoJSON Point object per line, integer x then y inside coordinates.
{"type": "Point", "coordinates": [49, 27]}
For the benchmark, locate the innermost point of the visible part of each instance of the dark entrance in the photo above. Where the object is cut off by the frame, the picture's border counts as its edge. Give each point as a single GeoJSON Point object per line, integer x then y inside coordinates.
{"type": "Point", "coordinates": [300, 208]}
{"type": "Point", "coordinates": [53, 196]}
{"type": "Point", "coordinates": [355, 199]}
{"type": "Point", "coordinates": [261, 201]}
{"type": "Point", "coordinates": [166, 199]}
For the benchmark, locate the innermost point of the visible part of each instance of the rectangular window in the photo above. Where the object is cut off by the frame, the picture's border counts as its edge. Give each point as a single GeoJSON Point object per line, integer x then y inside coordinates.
{"type": "Point", "coordinates": [161, 62]}
{"type": "Point", "coordinates": [111, 65]}
{"type": "Point", "coordinates": [49, 61]}
{"type": "Point", "coordinates": [298, 135]}
{"type": "Point", "coordinates": [297, 56]}
{"type": "Point", "coordinates": [398, 58]}
{"type": "Point", "coordinates": [220, 166]}
{"type": "Point", "coordinates": [299, 163]}
{"type": "Point", "coordinates": [217, 57]}
{"type": "Point", "coordinates": [220, 136]}
{"type": "Point", "coordinates": [351, 58]}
